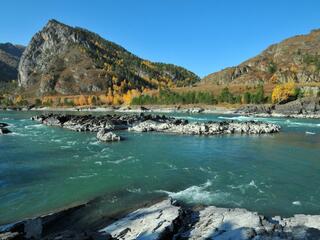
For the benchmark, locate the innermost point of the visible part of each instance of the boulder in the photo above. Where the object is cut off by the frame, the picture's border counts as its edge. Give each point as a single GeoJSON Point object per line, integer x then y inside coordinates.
{"type": "Point", "coordinates": [3, 129]}
{"type": "Point", "coordinates": [2, 125]}
{"type": "Point", "coordinates": [241, 224]}
{"type": "Point", "coordinates": [294, 107]}
{"type": "Point", "coordinates": [105, 136]}
{"type": "Point", "coordinates": [225, 223]}
{"type": "Point", "coordinates": [304, 106]}
{"type": "Point", "coordinates": [154, 222]}
{"type": "Point", "coordinates": [195, 110]}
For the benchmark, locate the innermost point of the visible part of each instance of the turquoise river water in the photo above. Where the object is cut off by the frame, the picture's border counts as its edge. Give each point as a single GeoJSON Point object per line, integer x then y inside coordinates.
{"type": "Point", "coordinates": [43, 169]}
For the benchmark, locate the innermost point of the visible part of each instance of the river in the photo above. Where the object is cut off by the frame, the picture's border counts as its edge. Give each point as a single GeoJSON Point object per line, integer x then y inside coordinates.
{"type": "Point", "coordinates": [43, 169]}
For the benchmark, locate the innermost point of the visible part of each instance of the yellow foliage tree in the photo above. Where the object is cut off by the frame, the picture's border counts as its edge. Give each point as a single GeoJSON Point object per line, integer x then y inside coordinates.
{"type": "Point", "coordinates": [82, 100]}
{"type": "Point", "coordinates": [103, 99]}
{"type": "Point", "coordinates": [131, 94]}
{"type": "Point", "coordinates": [92, 100]}
{"type": "Point", "coordinates": [283, 92]}
{"type": "Point", "coordinates": [107, 98]}
{"type": "Point", "coordinates": [117, 99]}
{"type": "Point", "coordinates": [76, 101]}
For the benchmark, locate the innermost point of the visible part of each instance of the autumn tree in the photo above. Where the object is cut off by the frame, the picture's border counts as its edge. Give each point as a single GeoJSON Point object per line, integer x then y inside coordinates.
{"type": "Point", "coordinates": [117, 99]}
{"type": "Point", "coordinates": [129, 95]}
{"type": "Point", "coordinates": [82, 100]}
{"type": "Point", "coordinates": [283, 93]}
{"type": "Point", "coordinates": [92, 100]}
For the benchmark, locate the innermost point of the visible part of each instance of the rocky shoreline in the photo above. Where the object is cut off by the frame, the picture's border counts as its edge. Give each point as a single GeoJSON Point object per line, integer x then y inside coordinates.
{"type": "Point", "coordinates": [300, 108]}
{"type": "Point", "coordinates": [146, 123]}
{"type": "Point", "coordinates": [169, 219]}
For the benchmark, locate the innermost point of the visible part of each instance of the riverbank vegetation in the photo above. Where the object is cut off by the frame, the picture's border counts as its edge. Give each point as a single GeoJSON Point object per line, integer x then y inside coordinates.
{"type": "Point", "coordinates": [280, 93]}
{"type": "Point", "coordinates": [168, 97]}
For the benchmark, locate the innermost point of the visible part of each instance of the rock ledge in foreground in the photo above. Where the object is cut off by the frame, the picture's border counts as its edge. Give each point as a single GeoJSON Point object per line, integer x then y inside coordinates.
{"type": "Point", "coordinates": [169, 220]}
{"type": "Point", "coordinates": [154, 222]}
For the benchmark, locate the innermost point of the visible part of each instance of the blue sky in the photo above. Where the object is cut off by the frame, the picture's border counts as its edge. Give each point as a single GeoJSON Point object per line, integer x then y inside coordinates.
{"type": "Point", "coordinates": [201, 35]}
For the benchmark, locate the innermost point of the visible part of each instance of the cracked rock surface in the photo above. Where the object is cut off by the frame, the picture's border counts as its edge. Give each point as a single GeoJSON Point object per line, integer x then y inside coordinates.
{"type": "Point", "coordinates": [241, 224]}
{"type": "Point", "coordinates": [146, 223]}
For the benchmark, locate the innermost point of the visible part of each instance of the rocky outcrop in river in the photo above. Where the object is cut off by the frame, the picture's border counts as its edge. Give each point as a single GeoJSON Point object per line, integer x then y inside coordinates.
{"type": "Point", "coordinates": [208, 128]}
{"type": "Point", "coordinates": [91, 123]}
{"type": "Point", "coordinates": [106, 136]}
{"type": "Point", "coordinates": [156, 123]}
{"type": "Point", "coordinates": [4, 129]}
{"type": "Point", "coordinates": [170, 220]}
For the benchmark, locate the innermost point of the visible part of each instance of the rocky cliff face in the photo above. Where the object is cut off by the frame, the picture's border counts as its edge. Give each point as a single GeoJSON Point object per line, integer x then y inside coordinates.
{"type": "Point", "coordinates": [66, 60]}
{"type": "Point", "coordinates": [9, 59]}
{"type": "Point", "coordinates": [294, 59]}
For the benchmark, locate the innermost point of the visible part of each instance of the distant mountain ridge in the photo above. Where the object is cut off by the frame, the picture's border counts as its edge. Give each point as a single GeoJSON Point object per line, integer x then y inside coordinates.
{"type": "Point", "coordinates": [294, 59]}
{"type": "Point", "coordinates": [9, 59]}
{"type": "Point", "coordinates": [71, 60]}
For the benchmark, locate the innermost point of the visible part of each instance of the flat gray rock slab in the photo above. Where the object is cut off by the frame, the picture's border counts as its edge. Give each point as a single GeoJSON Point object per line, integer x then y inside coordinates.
{"type": "Point", "coordinates": [225, 223]}
{"type": "Point", "coordinates": [310, 221]}
{"type": "Point", "coordinates": [241, 224]}
{"type": "Point", "coordinates": [145, 223]}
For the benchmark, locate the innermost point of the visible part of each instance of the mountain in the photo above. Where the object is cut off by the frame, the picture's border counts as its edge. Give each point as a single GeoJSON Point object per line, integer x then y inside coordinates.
{"type": "Point", "coordinates": [70, 60]}
{"type": "Point", "coordinates": [9, 59]}
{"type": "Point", "coordinates": [294, 59]}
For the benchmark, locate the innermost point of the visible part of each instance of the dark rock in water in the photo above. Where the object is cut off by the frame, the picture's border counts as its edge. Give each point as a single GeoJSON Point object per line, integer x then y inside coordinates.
{"type": "Point", "coordinates": [95, 123]}
{"type": "Point", "coordinates": [194, 110]}
{"type": "Point", "coordinates": [3, 129]}
{"type": "Point", "coordinates": [2, 125]}
{"type": "Point", "coordinates": [106, 136]}
{"type": "Point", "coordinates": [142, 108]}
